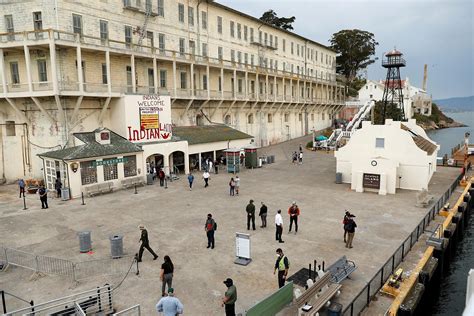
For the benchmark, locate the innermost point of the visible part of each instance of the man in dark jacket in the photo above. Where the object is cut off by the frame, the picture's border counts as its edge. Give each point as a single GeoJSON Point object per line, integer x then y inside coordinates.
{"type": "Point", "coordinates": [263, 215]}
{"type": "Point", "coordinates": [250, 209]}
{"type": "Point", "coordinates": [210, 227]}
{"type": "Point", "coordinates": [161, 176]}
{"type": "Point", "coordinates": [145, 244]}
{"type": "Point", "coordinates": [43, 194]}
{"type": "Point", "coordinates": [350, 228]}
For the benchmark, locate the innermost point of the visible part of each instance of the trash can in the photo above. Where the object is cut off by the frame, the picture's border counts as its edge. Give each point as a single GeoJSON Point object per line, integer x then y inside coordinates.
{"type": "Point", "coordinates": [85, 243]}
{"type": "Point", "coordinates": [116, 246]}
{"type": "Point", "coordinates": [149, 178]}
{"type": "Point", "coordinates": [65, 194]}
{"type": "Point", "coordinates": [335, 309]}
{"type": "Point", "coordinates": [251, 157]}
{"type": "Point", "coordinates": [338, 177]}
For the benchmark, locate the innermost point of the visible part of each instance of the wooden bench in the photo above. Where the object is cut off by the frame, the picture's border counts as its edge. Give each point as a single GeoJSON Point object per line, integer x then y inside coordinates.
{"type": "Point", "coordinates": [341, 269]}
{"type": "Point", "coordinates": [106, 187]}
{"type": "Point", "coordinates": [131, 182]}
{"type": "Point", "coordinates": [91, 189]}
{"type": "Point", "coordinates": [318, 294]}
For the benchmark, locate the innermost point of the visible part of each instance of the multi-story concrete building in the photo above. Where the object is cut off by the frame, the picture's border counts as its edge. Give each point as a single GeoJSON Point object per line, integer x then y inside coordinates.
{"type": "Point", "coordinates": [65, 65]}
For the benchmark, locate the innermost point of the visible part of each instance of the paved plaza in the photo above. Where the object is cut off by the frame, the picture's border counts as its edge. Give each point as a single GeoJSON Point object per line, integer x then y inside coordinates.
{"type": "Point", "coordinates": [175, 220]}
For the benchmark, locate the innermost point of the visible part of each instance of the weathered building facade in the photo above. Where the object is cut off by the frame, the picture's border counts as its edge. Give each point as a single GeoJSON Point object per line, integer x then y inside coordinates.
{"type": "Point", "coordinates": [65, 64]}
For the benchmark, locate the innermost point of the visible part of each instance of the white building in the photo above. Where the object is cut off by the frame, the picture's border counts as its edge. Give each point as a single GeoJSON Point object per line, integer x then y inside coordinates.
{"type": "Point", "coordinates": [384, 158]}
{"type": "Point", "coordinates": [66, 65]}
{"type": "Point", "coordinates": [415, 100]}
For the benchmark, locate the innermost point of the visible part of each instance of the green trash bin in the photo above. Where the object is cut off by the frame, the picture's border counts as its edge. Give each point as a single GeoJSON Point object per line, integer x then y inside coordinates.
{"type": "Point", "coordinates": [251, 157]}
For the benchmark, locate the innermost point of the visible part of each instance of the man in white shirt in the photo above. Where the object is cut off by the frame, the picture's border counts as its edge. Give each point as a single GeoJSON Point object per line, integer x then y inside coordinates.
{"type": "Point", "coordinates": [279, 226]}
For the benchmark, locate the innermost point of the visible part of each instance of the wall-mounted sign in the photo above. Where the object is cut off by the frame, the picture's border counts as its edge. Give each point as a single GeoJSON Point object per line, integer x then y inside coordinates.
{"type": "Point", "coordinates": [371, 181]}
{"type": "Point", "coordinates": [148, 118]}
{"type": "Point", "coordinates": [109, 162]}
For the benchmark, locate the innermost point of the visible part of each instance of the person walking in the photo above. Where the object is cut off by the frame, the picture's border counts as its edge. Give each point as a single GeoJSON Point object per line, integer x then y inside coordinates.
{"type": "Point", "coordinates": [237, 185]}
{"type": "Point", "coordinates": [43, 194]}
{"type": "Point", "coordinates": [161, 176]}
{"type": "Point", "coordinates": [216, 166]}
{"type": "Point", "coordinates": [295, 157]}
{"type": "Point", "coordinates": [166, 274]}
{"type": "Point", "coordinates": [210, 227]}
{"type": "Point", "coordinates": [21, 186]}
{"type": "Point", "coordinates": [206, 176]}
{"type": "Point", "coordinates": [190, 180]}
{"type": "Point", "coordinates": [231, 187]}
{"type": "Point", "coordinates": [294, 212]}
{"type": "Point", "coordinates": [279, 226]}
{"type": "Point", "coordinates": [282, 265]}
{"type": "Point", "coordinates": [263, 215]}
{"type": "Point", "coordinates": [345, 221]}
{"type": "Point", "coordinates": [230, 297]}
{"type": "Point", "coordinates": [250, 209]}
{"type": "Point", "coordinates": [300, 158]}
{"type": "Point", "coordinates": [169, 305]}
{"type": "Point", "coordinates": [350, 227]}
{"type": "Point", "coordinates": [145, 244]}
{"type": "Point", "coordinates": [57, 186]}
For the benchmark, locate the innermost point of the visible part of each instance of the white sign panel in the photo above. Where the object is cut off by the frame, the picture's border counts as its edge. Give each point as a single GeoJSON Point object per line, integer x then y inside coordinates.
{"type": "Point", "coordinates": [148, 118]}
{"type": "Point", "coordinates": [242, 245]}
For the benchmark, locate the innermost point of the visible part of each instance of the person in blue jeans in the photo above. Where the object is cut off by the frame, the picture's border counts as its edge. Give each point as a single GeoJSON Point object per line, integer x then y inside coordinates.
{"type": "Point", "coordinates": [190, 180]}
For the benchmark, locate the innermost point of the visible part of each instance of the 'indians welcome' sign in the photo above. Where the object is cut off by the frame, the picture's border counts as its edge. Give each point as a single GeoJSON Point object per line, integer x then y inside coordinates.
{"type": "Point", "coordinates": [148, 118]}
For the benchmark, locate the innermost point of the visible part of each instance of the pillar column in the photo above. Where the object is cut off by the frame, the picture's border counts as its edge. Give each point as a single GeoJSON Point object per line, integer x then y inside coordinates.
{"type": "Point", "coordinates": [174, 79]}
{"type": "Point", "coordinates": [28, 67]}
{"type": "Point", "coordinates": [2, 72]}
{"type": "Point", "coordinates": [192, 80]}
{"type": "Point", "coordinates": [107, 65]}
{"type": "Point", "coordinates": [155, 75]}
{"type": "Point", "coordinates": [134, 83]}
{"type": "Point", "coordinates": [80, 78]}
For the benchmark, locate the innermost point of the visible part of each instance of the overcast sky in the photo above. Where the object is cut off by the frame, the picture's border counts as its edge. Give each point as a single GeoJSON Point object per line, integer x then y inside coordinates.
{"type": "Point", "coordinates": [437, 33]}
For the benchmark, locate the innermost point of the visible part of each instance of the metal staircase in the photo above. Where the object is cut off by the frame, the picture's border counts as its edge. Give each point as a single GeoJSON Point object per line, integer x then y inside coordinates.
{"type": "Point", "coordinates": [338, 134]}
{"type": "Point", "coordinates": [148, 10]}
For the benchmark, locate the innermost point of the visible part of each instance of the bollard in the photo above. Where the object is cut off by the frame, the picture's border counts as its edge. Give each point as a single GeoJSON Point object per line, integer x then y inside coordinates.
{"type": "Point", "coordinates": [136, 192]}
{"type": "Point", "coordinates": [24, 202]}
{"type": "Point", "coordinates": [82, 197]}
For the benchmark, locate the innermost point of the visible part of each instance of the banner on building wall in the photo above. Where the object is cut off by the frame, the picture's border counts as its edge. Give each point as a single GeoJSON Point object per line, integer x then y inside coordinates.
{"type": "Point", "coordinates": [148, 118]}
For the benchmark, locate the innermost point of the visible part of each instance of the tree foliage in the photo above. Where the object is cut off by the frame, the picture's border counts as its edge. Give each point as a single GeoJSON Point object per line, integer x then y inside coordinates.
{"type": "Point", "coordinates": [355, 49]}
{"type": "Point", "coordinates": [391, 112]}
{"type": "Point", "coordinates": [271, 18]}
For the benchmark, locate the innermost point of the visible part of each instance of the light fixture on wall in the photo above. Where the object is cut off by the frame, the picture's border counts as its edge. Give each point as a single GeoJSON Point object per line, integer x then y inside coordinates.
{"type": "Point", "coordinates": [74, 167]}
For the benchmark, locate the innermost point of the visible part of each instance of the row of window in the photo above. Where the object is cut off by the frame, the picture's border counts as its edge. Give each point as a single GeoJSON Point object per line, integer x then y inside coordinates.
{"type": "Point", "coordinates": [89, 170]}
{"type": "Point", "coordinates": [286, 118]}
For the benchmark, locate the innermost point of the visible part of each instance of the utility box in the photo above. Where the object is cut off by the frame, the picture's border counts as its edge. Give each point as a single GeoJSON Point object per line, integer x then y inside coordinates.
{"type": "Point", "coordinates": [85, 243]}
{"type": "Point", "coordinates": [232, 156]}
{"type": "Point", "coordinates": [251, 157]}
{"type": "Point", "coordinates": [116, 246]}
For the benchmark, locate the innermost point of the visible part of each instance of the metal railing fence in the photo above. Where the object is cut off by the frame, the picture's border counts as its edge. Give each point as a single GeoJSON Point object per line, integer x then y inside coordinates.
{"type": "Point", "coordinates": [76, 271]}
{"type": "Point", "coordinates": [363, 298]}
{"type": "Point", "coordinates": [131, 311]}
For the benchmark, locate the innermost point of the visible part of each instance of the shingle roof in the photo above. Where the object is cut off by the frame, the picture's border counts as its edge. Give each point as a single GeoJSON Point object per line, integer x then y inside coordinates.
{"type": "Point", "coordinates": [208, 134]}
{"type": "Point", "coordinates": [91, 148]}
{"type": "Point", "coordinates": [420, 141]}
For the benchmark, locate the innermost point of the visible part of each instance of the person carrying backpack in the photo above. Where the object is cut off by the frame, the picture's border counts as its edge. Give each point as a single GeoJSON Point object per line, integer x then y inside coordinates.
{"type": "Point", "coordinates": [231, 187]}
{"type": "Point", "coordinates": [350, 227]}
{"type": "Point", "coordinates": [210, 227]}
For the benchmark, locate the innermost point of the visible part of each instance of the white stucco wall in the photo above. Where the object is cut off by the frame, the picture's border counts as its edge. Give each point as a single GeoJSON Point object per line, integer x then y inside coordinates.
{"type": "Point", "coordinates": [403, 164]}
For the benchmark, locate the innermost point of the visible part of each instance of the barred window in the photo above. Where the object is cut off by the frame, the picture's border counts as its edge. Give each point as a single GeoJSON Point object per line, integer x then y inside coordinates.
{"type": "Point", "coordinates": [88, 172]}
{"type": "Point", "coordinates": [130, 166]}
{"type": "Point", "coordinates": [110, 169]}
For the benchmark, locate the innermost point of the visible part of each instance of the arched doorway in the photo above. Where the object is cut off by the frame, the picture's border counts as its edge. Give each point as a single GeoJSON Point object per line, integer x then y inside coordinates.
{"type": "Point", "coordinates": [177, 162]}
{"type": "Point", "coordinates": [154, 163]}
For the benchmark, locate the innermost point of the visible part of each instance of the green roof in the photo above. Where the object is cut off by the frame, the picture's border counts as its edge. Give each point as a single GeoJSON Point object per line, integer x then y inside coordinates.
{"type": "Point", "coordinates": [208, 134]}
{"type": "Point", "coordinates": [118, 146]}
